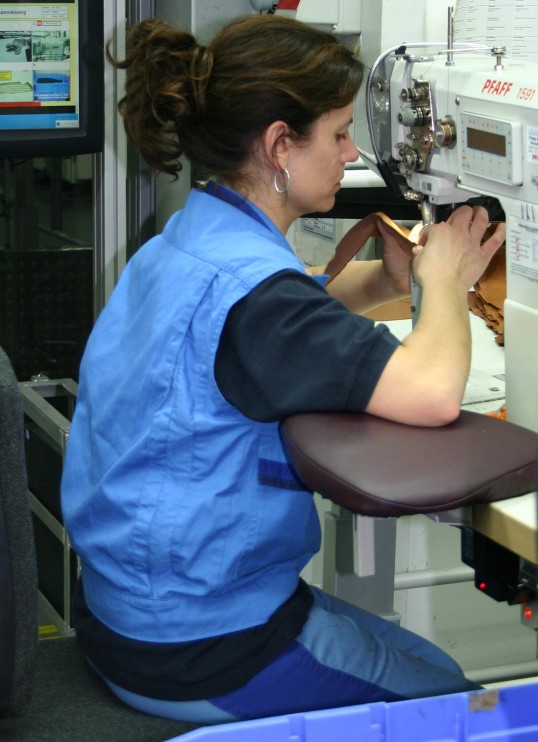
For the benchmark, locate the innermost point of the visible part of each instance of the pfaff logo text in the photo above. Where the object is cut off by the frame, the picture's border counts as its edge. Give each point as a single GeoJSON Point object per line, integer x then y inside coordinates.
{"type": "Point", "coordinates": [497, 87]}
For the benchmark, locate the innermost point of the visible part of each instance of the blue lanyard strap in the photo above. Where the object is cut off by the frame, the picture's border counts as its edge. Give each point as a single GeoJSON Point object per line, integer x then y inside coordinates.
{"type": "Point", "coordinates": [234, 199]}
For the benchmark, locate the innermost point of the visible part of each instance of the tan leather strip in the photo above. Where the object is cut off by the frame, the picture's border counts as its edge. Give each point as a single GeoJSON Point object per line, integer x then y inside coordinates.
{"type": "Point", "coordinates": [354, 240]}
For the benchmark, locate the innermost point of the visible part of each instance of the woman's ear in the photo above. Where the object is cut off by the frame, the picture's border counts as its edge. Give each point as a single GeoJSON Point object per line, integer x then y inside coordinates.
{"type": "Point", "coordinates": [276, 144]}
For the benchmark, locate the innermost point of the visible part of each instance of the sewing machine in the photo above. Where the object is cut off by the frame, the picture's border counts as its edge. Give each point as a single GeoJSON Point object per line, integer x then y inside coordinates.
{"type": "Point", "coordinates": [463, 123]}
{"type": "Point", "coordinates": [449, 123]}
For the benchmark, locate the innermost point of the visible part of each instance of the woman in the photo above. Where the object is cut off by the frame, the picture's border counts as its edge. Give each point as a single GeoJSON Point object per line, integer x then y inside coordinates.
{"type": "Point", "coordinates": [191, 527]}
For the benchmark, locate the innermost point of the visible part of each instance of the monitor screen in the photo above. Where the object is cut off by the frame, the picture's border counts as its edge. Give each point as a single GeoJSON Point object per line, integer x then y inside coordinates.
{"type": "Point", "coordinates": [51, 78]}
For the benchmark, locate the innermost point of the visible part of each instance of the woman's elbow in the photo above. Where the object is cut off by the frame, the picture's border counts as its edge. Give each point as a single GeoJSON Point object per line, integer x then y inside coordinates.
{"type": "Point", "coordinates": [440, 410]}
{"type": "Point", "coordinates": [427, 410]}
{"type": "Point", "coordinates": [445, 416]}
{"type": "Point", "coordinates": [416, 396]}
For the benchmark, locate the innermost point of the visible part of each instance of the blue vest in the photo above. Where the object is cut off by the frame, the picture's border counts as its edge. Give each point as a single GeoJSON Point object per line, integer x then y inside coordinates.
{"type": "Point", "coordinates": [188, 521]}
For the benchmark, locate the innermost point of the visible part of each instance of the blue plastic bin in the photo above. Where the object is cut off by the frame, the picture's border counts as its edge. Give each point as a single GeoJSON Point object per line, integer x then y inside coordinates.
{"type": "Point", "coordinates": [506, 715]}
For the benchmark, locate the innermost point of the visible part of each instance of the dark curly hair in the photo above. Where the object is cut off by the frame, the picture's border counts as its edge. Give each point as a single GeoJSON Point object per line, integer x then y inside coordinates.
{"type": "Point", "coordinates": [213, 103]}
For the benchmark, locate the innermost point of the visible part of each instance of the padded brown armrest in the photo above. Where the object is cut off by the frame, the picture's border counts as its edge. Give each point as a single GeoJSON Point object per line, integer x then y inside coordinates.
{"type": "Point", "coordinates": [377, 467]}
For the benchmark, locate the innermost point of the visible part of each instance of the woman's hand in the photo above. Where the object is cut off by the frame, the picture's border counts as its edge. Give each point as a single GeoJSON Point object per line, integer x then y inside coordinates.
{"type": "Point", "coordinates": [363, 285]}
{"type": "Point", "coordinates": [397, 259]}
{"type": "Point", "coordinates": [424, 380]}
{"type": "Point", "coordinates": [454, 249]}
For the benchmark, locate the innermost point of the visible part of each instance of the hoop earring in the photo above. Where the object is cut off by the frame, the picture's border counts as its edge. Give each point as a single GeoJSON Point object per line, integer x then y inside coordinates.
{"type": "Point", "coordinates": [286, 174]}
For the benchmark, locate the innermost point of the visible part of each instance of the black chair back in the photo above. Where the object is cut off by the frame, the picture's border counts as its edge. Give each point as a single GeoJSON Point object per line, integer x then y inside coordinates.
{"type": "Point", "coordinates": [18, 572]}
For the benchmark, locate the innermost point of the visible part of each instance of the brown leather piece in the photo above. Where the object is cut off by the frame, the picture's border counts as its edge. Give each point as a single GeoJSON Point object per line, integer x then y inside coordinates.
{"type": "Point", "coordinates": [377, 467]}
{"type": "Point", "coordinates": [487, 300]}
{"type": "Point", "coordinates": [355, 239]}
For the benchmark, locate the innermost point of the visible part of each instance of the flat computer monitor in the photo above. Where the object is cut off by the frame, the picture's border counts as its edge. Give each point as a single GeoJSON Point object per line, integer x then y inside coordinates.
{"type": "Point", "coordinates": [51, 78]}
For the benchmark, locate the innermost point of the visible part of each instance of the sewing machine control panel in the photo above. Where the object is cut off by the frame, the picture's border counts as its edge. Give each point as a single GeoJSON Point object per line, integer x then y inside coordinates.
{"type": "Point", "coordinates": [491, 148]}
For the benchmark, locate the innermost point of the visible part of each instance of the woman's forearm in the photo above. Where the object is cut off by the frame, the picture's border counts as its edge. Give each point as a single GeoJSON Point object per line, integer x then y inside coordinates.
{"type": "Point", "coordinates": [424, 381]}
{"type": "Point", "coordinates": [362, 285]}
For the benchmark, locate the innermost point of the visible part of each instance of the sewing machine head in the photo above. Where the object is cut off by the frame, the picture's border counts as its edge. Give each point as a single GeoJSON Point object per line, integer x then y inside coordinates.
{"type": "Point", "coordinates": [449, 126]}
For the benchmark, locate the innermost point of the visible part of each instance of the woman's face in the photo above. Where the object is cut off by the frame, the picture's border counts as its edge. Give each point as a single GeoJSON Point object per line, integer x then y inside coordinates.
{"type": "Point", "coordinates": [317, 167]}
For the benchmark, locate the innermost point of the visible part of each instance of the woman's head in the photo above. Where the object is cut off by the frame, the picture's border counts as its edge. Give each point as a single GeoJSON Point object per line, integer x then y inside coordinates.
{"type": "Point", "coordinates": [214, 104]}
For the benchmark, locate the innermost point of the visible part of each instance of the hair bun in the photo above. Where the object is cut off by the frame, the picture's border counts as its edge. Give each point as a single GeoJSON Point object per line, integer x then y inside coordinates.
{"type": "Point", "coordinates": [201, 67]}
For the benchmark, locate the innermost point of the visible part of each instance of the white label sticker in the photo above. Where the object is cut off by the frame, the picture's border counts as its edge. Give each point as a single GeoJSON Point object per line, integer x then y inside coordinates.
{"type": "Point", "coordinates": [523, 250]}
{"type": "Point", "coordinates": [532, 144]}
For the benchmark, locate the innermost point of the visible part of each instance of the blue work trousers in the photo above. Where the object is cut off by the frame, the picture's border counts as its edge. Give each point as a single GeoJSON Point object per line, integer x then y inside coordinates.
{"type": "Point", "coordinates": [344, 656]}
